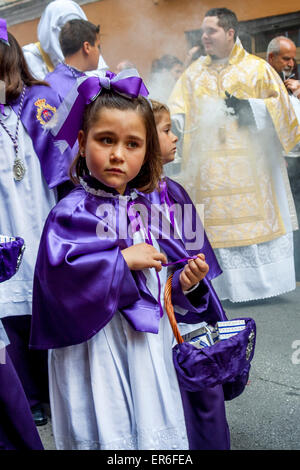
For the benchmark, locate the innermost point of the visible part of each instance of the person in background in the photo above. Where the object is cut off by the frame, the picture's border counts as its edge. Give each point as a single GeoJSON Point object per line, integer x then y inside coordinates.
{"type": "Point", "coordinates": [163, 76]}
{"type": "Point", "coordinates": [124, 65]}
{"type": "Point", "coordinates": [42, 57]}
{"type": "Point", "coordinates": [80, 44]}
{"type": "Point", "coordinates": [203, 433]}
{"type": "Point", "coordinates": [31, 168]}
{"type": "Point", "coordinates": [234, 116]}
{"type": "Point", "coordinates": [281, 54]}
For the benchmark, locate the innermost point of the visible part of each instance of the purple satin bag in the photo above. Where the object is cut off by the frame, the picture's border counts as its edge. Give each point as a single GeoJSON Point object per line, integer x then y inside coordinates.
{"type": "Point", "coordinates": [11, 253]}
{"type": "Point", "coordinates": [207, 377]}
{"type": "Point", "coordinates": [225, 363]}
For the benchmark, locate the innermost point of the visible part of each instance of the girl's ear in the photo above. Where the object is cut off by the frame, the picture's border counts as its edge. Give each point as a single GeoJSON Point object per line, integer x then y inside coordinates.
{"type": "Point", "coordinates": [81, 142]}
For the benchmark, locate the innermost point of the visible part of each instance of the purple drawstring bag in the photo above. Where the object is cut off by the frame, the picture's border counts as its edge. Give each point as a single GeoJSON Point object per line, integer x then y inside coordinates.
{"type": "Point", "coordinates": [226, 362]}
{"type": "Point", "coordinates": [11, 252]}
{"type": "Point", "coordinates": [207, 377]}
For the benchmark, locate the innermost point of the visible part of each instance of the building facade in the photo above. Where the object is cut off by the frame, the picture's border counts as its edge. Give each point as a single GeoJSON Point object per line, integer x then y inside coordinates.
{"type": "Point", "coordinates": [142, 30]}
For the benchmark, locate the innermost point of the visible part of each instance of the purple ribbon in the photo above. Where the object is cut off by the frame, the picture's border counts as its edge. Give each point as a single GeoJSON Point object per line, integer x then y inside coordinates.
{"type": "Point", "coordinates": [3, 31]}
{"type": "Point", "coordinates": [148, 240]}
{"type": "Point", "coordinates": [88, 90]}
{"type": "Point", "coordinates": [164, 198]}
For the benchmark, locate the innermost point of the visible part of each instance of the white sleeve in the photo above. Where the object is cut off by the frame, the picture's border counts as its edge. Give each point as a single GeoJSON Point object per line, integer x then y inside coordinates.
{"type": "Point", "coordinates": [260, 112]}
{"type": "Point", "coordinates": [35, 61]}
{"type": "Point", "coordinates": [296, 105]}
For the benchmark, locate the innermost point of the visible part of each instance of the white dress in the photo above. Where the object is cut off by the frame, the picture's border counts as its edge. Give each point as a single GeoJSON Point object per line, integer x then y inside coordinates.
{"type": "Point", "coordinates": [24, 206]}
{"type": "Point", "coordinates": [118, 390]}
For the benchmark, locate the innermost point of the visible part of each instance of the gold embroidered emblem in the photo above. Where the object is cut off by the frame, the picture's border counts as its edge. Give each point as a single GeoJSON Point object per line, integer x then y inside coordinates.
{"type": "Point", "coordinates": [45, 111]}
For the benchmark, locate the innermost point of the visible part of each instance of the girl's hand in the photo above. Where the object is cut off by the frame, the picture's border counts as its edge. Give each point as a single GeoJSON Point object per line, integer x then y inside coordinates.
{"type": "Point", "coordinates": [143, 256]}
{"type": "Point", "coordinates": [193, 272]}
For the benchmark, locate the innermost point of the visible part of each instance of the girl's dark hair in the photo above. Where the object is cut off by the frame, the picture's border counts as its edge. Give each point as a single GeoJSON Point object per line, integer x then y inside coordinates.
{"type": "Point", "coordinates": [151, 170]}
{"type": "Point", "coordinates": [14, 70]}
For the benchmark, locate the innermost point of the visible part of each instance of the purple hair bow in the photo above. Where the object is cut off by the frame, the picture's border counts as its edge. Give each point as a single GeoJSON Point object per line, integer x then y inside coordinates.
{"type": "Point", "coordinates": [3, 31]}
{"type": "Point", "coordinates": [68, 119]}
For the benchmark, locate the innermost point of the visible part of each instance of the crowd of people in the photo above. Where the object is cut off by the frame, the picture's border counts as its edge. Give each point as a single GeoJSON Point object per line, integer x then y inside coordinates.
{"type": "Point", "coordinates": [82, 315]}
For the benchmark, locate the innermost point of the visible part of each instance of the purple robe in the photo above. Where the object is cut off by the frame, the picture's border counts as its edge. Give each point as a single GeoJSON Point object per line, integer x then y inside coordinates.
{"type": "Point", "coordinates": [62, 79]}
{"type": "Point", "coordinates": [10, 258]}
{"type": "Point", "coordinates": [40, 104]}
{"type": "Point", "coordinates": [17, 428]}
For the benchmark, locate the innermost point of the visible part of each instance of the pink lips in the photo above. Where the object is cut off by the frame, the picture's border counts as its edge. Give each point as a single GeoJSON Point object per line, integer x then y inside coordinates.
{"type": "Point", "coordinates": [115, 170]}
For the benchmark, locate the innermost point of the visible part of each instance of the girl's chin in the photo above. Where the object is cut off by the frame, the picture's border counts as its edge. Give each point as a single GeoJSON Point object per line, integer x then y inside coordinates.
{"type": "Point", "coordinates": [168, 160]}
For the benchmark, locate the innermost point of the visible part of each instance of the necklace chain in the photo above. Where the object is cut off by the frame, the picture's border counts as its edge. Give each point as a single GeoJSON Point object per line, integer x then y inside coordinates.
{"type": "Point", "coordinates": [18, 167]}
{"type": "Point", "coordinates": [76, 73]}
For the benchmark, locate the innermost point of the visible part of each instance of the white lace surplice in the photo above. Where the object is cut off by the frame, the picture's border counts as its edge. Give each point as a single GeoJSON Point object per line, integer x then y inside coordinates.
{"type": "Point", "coordinates": [256, 271]}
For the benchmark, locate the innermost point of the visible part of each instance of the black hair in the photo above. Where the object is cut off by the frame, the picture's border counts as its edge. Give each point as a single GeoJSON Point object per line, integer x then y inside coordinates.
{"type": "Point", "coordinates": [227, 19]}
{"type": "Point", "coordinates": [74, 33]}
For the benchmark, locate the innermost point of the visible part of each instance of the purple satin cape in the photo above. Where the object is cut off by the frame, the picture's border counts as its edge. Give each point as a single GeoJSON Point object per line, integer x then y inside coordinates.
{"type": "Point", "coordinates": [55, 166]}
{"type": "Point", "coordinates": [178, 195]}
{"type": "Point", "coordinates": [10, 258]}
{"type": "Point", "coordinates": [71, 254]}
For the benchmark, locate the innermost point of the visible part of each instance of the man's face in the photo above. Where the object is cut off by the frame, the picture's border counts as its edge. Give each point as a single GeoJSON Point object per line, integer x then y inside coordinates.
{"type": "Point", "coordinates": [94, 54]}
{"type": "Point", "coordinates": [217, 42]}
{"type": "Point", "coordinates": [284, 60]}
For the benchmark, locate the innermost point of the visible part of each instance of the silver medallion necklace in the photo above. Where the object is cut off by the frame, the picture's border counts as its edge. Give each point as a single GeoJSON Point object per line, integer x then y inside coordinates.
{"type": "Point", "coordinates": [18, 167]}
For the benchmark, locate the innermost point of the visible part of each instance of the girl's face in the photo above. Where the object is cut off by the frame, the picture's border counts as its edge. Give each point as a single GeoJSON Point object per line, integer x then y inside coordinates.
{"type": "Point", "coordinates": [167, 140]}
{"type": "Point", "coordinates": [115, 147]}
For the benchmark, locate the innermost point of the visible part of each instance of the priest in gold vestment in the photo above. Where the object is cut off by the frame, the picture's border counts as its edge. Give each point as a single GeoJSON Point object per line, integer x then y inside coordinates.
{"type": "Point", "coordinates": [236, 120]}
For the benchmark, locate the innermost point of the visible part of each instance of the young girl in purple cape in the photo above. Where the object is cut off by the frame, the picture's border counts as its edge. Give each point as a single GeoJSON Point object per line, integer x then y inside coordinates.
{"type": "Point", "coordinates": [99, 287]}
{"type": "Point", "coordinates": [30, 167]}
